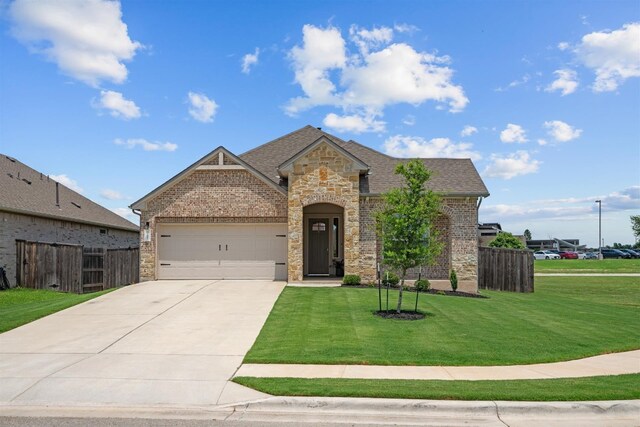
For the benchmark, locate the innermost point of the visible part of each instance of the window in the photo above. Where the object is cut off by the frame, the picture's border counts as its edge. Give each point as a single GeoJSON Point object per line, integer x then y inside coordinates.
{"type": "Point", "coordinates": [319, 226]}
{"type": "Point", "coordinates": [336, 238]}
{"type": "Point", "coordinates": [104, 231]}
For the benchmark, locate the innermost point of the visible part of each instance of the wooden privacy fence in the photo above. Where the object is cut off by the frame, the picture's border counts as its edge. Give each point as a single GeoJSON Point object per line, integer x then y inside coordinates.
{"type": "Point", "coordinates": [503, 269]}
{"type": "Point", "coordinates": [74, 268]}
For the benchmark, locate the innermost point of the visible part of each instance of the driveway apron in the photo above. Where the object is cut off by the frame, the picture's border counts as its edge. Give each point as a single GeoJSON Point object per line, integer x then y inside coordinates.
{"type": "Point", "coordinates": [170, 343]}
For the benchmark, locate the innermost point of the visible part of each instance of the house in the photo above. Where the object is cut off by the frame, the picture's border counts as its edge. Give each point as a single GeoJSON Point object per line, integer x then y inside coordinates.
{"type": "Point", "coordinates": [297, 207]}
{"type": "Point", "coordinates": [489, 230]}
{"type": "Point", "coordinates": [36, 208]}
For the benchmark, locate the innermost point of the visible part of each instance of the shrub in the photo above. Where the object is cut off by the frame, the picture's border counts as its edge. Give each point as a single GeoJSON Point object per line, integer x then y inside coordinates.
{"type": "Point", "coordinates": [441, 293]}
{"type": "Point", "coordinates": [391, 280]}
{"type": "Point", "coordinates": [351, 279]}
{"type": "Point", "coordinates": [506, 240]}
{"type": "Point", "coordinates": [422, 285]}
{"type": "Point", "coordinates": [453, 278]}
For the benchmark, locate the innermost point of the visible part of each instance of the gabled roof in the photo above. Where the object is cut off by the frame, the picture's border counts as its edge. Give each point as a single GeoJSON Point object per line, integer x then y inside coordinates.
{"type": "Point", "coordinates": [283, 169]}
{"type": "Point", "coordinates": [140, 204]}
{"type": "Point", "coordinates": [26, 191]}
{"type": "Point", "coordinates": [452, 177]}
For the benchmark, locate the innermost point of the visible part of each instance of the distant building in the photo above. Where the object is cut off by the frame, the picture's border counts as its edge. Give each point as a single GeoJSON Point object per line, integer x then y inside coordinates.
{"type": "Point", "coordinates": [36, 208]}
{"type": "Point", "coordinates": [489, 230]}
{"type": "Point", "coordinates": [558, 244]}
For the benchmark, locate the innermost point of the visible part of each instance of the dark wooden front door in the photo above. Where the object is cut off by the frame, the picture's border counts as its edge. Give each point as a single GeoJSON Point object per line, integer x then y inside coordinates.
{"type": "Point", "coordinates": [318, 246]}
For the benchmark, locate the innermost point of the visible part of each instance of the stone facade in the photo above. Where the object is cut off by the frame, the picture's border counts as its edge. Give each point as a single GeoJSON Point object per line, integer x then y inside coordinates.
{"type": "Point", "coordinates": [210, 196]}
{"type": "Point", "coordinates": [323, 176]}
{"type": "Point", "coordinates": [37, 229]}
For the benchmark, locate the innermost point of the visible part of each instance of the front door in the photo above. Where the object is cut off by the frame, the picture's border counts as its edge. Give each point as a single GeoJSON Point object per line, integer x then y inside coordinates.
{"type": "Point", "coordinates": [319, 246]}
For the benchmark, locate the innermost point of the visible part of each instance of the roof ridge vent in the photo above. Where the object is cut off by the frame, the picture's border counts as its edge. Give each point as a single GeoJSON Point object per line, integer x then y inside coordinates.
{"type": "Point", "coordinates": [76, 205]}
{"type": "Point", "coordinates": [11, 159]}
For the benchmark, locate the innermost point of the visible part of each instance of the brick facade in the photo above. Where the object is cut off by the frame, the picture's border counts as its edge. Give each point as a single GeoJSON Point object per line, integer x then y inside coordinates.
{"type": "Point", "coordinates": [38, 229]}
{"type": "Point", "coordinates": [210, 196]}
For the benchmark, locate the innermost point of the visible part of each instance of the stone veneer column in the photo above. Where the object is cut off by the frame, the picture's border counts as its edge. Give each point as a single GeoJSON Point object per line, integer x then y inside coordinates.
{"type": "Point", "coordinates": [323, 176]}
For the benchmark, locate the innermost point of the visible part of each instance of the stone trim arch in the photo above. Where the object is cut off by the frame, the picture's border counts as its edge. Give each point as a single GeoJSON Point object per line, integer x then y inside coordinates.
{"type": "Point", "coordinates": [316, 198]}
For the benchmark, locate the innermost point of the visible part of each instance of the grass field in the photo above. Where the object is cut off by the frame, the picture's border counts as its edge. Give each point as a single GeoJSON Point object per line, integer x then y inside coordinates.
{"type": "Point", "coordinates": [617, 387]}
{"type": "Point", "coordinates": [587, 266]}
{"type": "Point", "coordinates": [19, 306]}
{"type": "Point", "coordinates": [566, 318]}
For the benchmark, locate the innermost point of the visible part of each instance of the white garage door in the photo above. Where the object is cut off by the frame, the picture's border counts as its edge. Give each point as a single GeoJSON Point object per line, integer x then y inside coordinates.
{"type": "Point", "coordinates": [222, 251]}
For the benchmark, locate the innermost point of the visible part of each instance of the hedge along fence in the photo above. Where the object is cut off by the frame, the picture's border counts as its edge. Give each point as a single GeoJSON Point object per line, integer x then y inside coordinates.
{"type": "Point", "coordinates": [74, 268]}
{"type": "Point", "coordinates": [501, 269]}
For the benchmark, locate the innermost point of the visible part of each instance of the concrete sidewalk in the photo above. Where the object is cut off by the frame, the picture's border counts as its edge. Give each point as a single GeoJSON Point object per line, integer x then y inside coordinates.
{"type": "Point", "coordinates": [588, 274]}
{"type": "Point", "coordinates": [607, 364]}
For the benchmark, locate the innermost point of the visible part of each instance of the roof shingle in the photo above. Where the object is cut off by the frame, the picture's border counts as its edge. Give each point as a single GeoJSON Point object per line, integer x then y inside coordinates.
{"type": "Point", "coordinates": [27, 191]}
{"type": "Point", "coordinates": [453, 177]}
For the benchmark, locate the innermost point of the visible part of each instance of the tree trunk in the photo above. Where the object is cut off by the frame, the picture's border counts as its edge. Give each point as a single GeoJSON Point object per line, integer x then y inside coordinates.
{"type": "Point", "coordinates": [399, 309]}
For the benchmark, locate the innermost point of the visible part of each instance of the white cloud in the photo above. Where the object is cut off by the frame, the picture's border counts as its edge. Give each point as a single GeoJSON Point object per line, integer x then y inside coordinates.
{"type": "Point", "coordinates": [512, 165]}
{"type": "Point", "coordinates": [249, 60]}
{"type": "Point", "coordinates": [626, 199]}
{"type": "Point", "coordinates": [468, 131]}
{"type": "Point", "coordinates": [353, 123]}
{"type": "Point", "coordinates": [566, 81]}
{"type": "Point", "coordinates": [513, 133]}
{"type": "Point", "coordinates": [117, 105]}
{"type": "Point", "coordinates": [563, 46]}
{"type": "Point", "coordinates": [369, 39]}
{"type": "Point", "coordinates": [613, 55]}
{"type": "Point", "coordinates": [515, 83]}
{"type": "Point", "coordinates": [561, 131]}
{"type": "Point", "coordinates": [409, 120]}
{"type": "Point", "coordinates": [127, 214]}
{"type": "Point", "coordinates": [378, 75]}
{"type": "Point", "coordinates": [406, 28]}
{"type": "Point", "coordinates": [415, 146]}
{"type": "Point", "coordinates": [146, 145]}
{"type": "Point", "coordinates": [112, 194]}
{"type": "Point", "coordinates": [86, 39]}
{"type": "Point", "coordinates": [542, 141]}
{"type": "Point", "coordinates": [201, 107]}
{"type": "Point", "coordinates": [67, 182]}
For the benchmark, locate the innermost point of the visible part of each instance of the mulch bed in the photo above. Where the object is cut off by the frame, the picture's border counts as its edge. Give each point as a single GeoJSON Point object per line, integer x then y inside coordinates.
{"type": "Point", "coordinates": [430, 291]}
{"type": "Point", "coordinates": [403, 315]}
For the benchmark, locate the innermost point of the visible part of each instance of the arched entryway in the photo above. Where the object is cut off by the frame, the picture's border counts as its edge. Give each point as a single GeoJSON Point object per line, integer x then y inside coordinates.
{"type": "Point", "coordinates": [323, 240]}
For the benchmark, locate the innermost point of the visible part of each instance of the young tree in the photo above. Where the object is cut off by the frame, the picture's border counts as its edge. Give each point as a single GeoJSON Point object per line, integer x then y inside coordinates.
{"type": "Point", "coordinates": [527, 234]}
{"type": "Point", "coordinates": [635, 226]}
{"type": "Point", "coordinates": [506, 240]}
{"type": "Point", "coordinates": [406, 223]}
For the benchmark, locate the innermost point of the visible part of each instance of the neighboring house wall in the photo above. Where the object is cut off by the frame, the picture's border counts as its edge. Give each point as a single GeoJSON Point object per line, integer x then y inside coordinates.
{"type": "Point", "coordinates": [213, 196]}
{"type": "Point", "coordinates": [323, 176]}
{"type": "Point", "coordinates": [32, 228]}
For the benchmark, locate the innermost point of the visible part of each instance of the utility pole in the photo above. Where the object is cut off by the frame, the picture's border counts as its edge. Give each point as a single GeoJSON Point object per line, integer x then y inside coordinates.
{"type": "Point", "coordinates": [599, 202]}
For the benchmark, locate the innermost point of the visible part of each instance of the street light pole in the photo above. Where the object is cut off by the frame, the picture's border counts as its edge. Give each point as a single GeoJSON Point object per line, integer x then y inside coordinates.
{"type": "Point", "coordinates": [599, 202]}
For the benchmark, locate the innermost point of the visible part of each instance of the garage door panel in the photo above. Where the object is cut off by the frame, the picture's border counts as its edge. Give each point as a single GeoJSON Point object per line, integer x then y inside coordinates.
{"type": "Point", "coordinates": [222, 251]}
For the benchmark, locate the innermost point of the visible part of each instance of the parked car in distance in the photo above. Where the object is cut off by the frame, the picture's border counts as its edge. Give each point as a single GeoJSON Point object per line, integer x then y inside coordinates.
{"type": "Point", "coordinates": [614, 253]}
{"type": "Point", "coordinates": [568, 255]}
{"type": "Point", "coordinates": [632, 252]}
{"type": "Point", "coordinates": [591, 255]}
{"type": "Point", "coordinates": [545, 255]}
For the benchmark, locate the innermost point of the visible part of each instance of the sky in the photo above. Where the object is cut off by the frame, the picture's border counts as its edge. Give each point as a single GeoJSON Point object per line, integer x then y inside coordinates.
{"type": "Point", "coordinates": [114, 98]}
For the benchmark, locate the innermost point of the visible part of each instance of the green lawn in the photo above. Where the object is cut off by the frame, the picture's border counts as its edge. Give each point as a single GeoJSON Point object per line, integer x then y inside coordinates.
{"type": "Point", "coordinates": [566, 318]}
{"type": "Point", "coordinates": [19, 306]}
{"type": "Point", "coordinates": [617, 387]}
{"type": "Point", "coordinates": [587, 266]}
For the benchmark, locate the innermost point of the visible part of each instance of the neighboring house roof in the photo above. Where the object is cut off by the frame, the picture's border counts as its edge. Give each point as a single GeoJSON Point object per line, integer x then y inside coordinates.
{"type": "Point", "coordinates": [140, 204]}
{"type": "Point", "coordinates": [453, 177]}
{"type": "Point", "coordinates": [27, 191]}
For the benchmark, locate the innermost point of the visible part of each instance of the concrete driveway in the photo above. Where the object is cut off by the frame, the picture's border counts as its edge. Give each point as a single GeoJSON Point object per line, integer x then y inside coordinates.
{"type": "Point", "coordinates": [170, 343]}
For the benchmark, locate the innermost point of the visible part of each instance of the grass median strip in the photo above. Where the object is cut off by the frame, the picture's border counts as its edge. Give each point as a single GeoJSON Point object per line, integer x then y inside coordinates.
{"type": "Point", "coordinates": [618, 387]}
{"type": "Point", "coordinates": [566, 318]}
{"type": "Point", "coordinates": [587, 266]}
{"type": "Point", "coordinates": [19, 305]}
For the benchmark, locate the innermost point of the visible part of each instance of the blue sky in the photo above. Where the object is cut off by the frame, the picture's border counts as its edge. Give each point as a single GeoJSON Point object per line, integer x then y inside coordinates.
{"type": "Point", "coordinates": [115, 98]}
